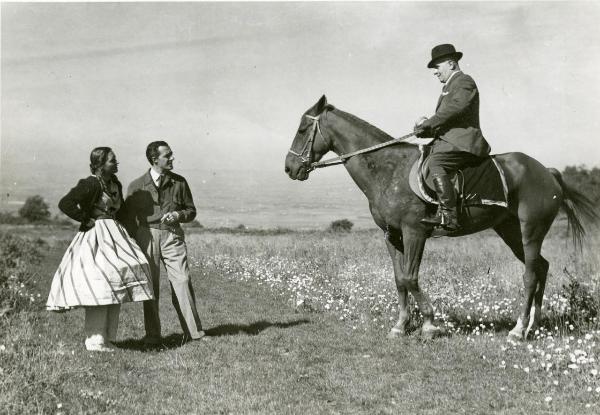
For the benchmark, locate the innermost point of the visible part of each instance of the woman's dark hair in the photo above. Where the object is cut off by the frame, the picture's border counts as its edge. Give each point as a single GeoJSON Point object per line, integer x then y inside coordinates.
{"type": "Point", "coordinates": [98, 158]}
{"type": "Point", "coordinates": [152, 150]}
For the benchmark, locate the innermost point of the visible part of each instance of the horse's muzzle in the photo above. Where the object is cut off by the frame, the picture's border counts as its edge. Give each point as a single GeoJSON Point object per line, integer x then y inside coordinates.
{"type": "Point", "coordinates": [295, 169]}
{"type": "Point", "coordinates": [300, 173]}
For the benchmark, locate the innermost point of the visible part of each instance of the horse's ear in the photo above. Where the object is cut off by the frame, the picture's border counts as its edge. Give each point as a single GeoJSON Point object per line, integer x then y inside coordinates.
{"type": "Point", "coordinates": [322, 104]}
{"type": "Point", "coordinates": [320, 107]}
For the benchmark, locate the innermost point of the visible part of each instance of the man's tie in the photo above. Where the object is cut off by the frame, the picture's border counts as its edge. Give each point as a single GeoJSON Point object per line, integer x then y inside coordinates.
{"type": "Point", "coordinates": [159, 181]}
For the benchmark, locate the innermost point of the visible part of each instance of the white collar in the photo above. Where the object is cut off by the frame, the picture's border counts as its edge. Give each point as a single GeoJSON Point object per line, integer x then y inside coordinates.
{"type": "Point", "coordinates": [155, 175]}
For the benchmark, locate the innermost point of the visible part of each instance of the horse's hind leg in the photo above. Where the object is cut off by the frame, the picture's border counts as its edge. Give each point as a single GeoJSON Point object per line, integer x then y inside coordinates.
{"type": "Point", "coordinates": [534, 278]}
{"type": "Point", "coordinates": [525, 240]}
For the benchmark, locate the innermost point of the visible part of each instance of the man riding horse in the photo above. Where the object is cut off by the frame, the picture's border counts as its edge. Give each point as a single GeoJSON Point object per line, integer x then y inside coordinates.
{"type": "Point", "coordinates": [455, 128]}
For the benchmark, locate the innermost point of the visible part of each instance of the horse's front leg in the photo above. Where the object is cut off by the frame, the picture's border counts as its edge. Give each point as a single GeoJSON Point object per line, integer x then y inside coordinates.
{"type": "Point", "coordinates": [407, 280]}
{"type": "Point", "coordinates": [414, 244]}
{"type": "Point", "coordinates": [396, 250]}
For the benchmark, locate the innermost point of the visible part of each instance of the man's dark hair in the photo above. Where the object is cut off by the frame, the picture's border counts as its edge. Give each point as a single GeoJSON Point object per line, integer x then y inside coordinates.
{"type": "Point", "coordinates": [98, 158]}
{"type": "Point", "coordinates": [152, 150]}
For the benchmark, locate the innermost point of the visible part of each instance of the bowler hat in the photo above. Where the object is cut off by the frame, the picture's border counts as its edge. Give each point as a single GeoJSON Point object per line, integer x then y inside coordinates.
{"type": "Point", "coordinates": [443, 51]}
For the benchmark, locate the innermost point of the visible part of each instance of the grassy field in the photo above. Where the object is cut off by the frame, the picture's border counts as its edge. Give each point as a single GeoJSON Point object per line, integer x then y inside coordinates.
{"type": "Point", "coordinates": [297, 324]}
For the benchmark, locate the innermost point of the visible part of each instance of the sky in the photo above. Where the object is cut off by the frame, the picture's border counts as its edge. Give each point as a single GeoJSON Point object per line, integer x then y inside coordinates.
{"type": "Point", "coordinates": [226, 83]}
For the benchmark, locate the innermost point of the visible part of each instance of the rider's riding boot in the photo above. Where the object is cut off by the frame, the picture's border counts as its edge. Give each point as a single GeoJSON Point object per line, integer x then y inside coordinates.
{"type": "Point", "coordinates": [446, 215]}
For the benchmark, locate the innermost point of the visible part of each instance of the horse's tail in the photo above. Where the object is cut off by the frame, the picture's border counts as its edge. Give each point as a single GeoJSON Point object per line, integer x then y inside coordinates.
{"type": "Point", "coordinates": [575, 204]}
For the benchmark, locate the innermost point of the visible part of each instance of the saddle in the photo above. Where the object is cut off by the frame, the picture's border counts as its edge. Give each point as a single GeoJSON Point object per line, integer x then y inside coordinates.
{"type": "Point", "coordinates": [480, 184]}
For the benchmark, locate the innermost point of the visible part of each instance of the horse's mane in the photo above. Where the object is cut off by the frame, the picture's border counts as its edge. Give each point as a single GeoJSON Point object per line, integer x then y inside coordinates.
{"type": "Point", "coordinates": [379, 135]}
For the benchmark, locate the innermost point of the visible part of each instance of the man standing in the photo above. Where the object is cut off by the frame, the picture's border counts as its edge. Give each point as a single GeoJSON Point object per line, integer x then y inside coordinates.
{"type": "Point", "coordinates": [455, 127]}
{"type": "Point", "coordinates": [156, 204]}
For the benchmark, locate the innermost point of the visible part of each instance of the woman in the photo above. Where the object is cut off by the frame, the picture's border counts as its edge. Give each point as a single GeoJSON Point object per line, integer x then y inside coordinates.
{"type": "Point", "coordinates": [103, 267]}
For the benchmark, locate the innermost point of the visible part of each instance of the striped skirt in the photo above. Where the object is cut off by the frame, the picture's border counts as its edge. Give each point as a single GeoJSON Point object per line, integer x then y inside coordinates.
{"type": "Point", "coordinates": [101, 266]}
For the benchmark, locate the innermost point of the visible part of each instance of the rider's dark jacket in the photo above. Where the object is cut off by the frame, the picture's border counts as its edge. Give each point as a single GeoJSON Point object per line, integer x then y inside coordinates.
{"type": "Point", "coordinates": [456, 119]}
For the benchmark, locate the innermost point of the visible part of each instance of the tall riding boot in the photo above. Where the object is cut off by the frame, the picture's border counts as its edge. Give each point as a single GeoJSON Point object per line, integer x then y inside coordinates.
{"type": "Point", "coordinates": [446, 215]}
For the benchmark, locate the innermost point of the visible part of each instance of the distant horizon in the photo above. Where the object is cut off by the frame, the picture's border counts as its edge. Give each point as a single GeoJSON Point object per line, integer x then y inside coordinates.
{"type": "Point", "coordinates": [257, 201]}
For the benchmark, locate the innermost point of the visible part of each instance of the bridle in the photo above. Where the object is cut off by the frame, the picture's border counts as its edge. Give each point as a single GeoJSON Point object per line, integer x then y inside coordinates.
{"type": "Point", "coordinates": [305, 155]}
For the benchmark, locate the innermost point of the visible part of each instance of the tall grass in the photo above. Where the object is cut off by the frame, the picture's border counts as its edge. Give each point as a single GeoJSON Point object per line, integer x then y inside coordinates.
{"type": "Point", "coordinates": [17, 256]}
{"type": "Point", "coordinates": [471, 280]}
{"type": "Point", "coordinates": [308, 312]}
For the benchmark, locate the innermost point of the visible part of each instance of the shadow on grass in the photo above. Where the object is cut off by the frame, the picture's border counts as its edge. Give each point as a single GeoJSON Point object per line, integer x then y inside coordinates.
{"type": "Point", "coordinates": [550, 322]}
{"type": "Point", "coordinates": [496, 325]}
{"type": "Point", "coordinates": [461, 323]}
{"type": "Point", "coordinates": [251, 329]}
{"type": "Point", "coordinates": [173, 341]}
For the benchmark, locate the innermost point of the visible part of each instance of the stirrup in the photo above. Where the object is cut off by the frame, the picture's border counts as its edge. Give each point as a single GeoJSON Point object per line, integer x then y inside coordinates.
{"type": "Point", "coordinates": [449, 224]}
{"type": "Point", "coordinates": [434, 221]}
{"type": "Point", "coordinates": [442, 220]}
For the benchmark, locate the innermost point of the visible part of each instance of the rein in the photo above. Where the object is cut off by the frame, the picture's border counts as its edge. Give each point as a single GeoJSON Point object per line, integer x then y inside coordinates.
{"type": "Point", "coordinates": [306, 152]}
{"type": "Point", "coordinates": [341, 159]}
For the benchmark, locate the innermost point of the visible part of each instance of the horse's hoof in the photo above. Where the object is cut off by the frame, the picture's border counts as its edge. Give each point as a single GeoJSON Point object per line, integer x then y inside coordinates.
{"type": "Point", "coordinates": [431, 333]}
{"type": "Point", "coordinates": [516, 336]}
{"type": "Point", "coordinates": [396, 333]}
{"type": "Point", "coordinates": [528, 334]}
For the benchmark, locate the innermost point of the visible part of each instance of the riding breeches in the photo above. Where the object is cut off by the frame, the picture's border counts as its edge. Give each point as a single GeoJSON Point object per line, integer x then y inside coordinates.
{"type": "Point", "coordinates": [448, 162]}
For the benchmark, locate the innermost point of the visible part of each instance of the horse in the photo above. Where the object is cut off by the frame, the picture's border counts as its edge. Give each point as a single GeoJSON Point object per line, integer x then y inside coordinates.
{"type": "Point", "coordinates": [535, 195]}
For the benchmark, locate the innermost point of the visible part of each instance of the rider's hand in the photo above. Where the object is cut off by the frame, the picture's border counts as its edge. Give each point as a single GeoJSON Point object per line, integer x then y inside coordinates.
{"type": "Point", "coordinates": [422, 131]}
{"type": "Point", "coordinates": [421, 128]}
{"type": "Point", "coordinates": [420, 121]}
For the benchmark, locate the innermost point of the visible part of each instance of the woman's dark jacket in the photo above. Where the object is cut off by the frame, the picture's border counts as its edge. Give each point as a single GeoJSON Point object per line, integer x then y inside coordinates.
{"type": "Point", "coordinates": [79, 202]}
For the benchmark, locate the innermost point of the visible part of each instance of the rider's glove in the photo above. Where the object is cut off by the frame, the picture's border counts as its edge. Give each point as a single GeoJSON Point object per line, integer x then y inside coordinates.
{"type": "Point", "coordinates": [423, 130]}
